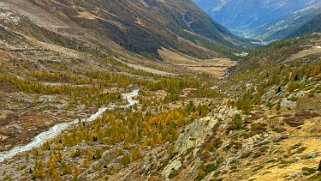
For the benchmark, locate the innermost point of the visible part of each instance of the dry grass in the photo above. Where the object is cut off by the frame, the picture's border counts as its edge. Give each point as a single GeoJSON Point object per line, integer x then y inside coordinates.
{"type": "Point", "coordinates": [305, 53]}
{"type": "Point", "coordinates": [87, 15]}
{"type": "Point", "coordinates": [216, 66]}
{"type": "Point", "coordinates": [276, 173]}
{"type": "Point", "coordinates": [307, 139]}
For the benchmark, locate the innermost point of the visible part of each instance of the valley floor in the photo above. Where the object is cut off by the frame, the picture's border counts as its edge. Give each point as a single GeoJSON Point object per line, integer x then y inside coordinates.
{"type": "Point", "coordinates": [174, 118]}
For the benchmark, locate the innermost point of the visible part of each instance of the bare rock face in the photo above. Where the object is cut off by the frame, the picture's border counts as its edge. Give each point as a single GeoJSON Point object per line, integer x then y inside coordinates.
{"type": "Point", "coordinates": [287, 104]}
{"type": "Point", "coordinates": [3, 137]}
{"type": "Point", "coordinates": [297, 94]}
{"type": "Point", "coordinates": [174, 165]}
{"type": "Point", "coordinates": [279, 137]}
{"type": "Point", "coordinates": [194, 135]}
{"type": "Point", "coordinates": [293, 176]}
{"type": "Point", "coordinates": [3, 114]}
{"type": "Point", "coordinates": [7, 16]}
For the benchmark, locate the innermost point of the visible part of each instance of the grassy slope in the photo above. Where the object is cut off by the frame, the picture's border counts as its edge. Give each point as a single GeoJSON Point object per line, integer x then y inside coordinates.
{"type": "Point", "coordinates": [128, 138]}
{"type": "Point", "coordinates": [312, 26]}
{"type": "Point", "coordinates": [275, 53]}
{"type": "Point", "coordinates": [261, 136]}
{"type": "Point", "coordinates": [145, 27]}
{"type": "Point", "coordinates": [286, 25]}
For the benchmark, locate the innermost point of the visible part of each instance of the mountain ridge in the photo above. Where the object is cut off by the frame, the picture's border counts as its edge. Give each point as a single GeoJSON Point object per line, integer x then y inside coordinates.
{"type": "Point", "coordinates": [249, 18]}
{"type": "Point", "coordinates": [84, 97]}
{"type": "Point", "coordinates": [314, 25]}
{"type": "Point", "coordinates": [158, 25]}
{"type": "Point", "coordinates": [284, 26]}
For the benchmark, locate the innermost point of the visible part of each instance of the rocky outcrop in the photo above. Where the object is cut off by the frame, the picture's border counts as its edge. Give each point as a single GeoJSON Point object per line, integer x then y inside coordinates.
{"type": "Point", "coordinates": [193, 137]}
{"type": "Point", "coordinates": [190, 139]}
{"type": "Point", "coordinates": [287, 104]}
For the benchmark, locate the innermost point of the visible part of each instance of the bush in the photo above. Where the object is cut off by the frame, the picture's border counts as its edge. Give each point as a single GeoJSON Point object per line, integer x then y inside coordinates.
{"type": "Point", "coordinates": [292, 86]}
{"type": "Point", "coordinates": [210, 167]}
{"type": "Point", "coordinates": [308, 171]}
{"type": "Point", "coordinates": [75, 153]}
{"type": "Point", "coordinates": [245, 102]}
{"type": "Point", "coordinates": [237, 122]}
{"type": "Point", "coordinates": [125, 160]}
{"type": "Point", "coordinates": [136, 154]}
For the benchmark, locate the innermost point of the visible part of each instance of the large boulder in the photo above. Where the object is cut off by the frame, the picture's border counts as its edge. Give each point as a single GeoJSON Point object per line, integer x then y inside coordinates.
{"type": "Point", "coordinates": [287, 104]}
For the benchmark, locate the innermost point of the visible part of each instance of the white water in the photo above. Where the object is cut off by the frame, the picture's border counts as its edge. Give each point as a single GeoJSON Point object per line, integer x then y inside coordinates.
{"type": "Point", "coordinates": [129, 97]}
{"type": "Point", "coordinates": [59, 128]}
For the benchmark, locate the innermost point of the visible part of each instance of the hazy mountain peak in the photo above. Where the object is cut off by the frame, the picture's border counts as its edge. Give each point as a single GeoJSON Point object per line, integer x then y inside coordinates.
{"type": "Point", "coordinates": [220, 5]}
{"type": "Point", "coordinates": [245, 16]}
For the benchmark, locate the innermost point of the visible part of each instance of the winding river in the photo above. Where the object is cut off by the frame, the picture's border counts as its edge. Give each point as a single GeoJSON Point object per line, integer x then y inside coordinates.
{"type": "Point", "coordinates": [59, 128]}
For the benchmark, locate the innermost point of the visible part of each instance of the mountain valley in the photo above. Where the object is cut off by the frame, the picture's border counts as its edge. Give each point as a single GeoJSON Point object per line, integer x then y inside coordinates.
{"type": "Point", "coordinates": [156, 90]}
{"type": "Point", "coordinates": [262, 20]}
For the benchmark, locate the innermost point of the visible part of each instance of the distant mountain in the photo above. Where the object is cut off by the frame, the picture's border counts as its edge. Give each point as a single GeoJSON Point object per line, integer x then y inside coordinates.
{"type": "Point", "coordinates": [80, 98]}
{"type": "Point", "coordinates": [313, 25]}
{"type": "Point", "coordinates": [253, 17]}
{"type": "Point", "coordinates": [286, 25]}
{"type": "Point", "coordinates": [145, 26]}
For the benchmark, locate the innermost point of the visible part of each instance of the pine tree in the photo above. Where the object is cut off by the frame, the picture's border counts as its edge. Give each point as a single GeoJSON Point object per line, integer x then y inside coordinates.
{"type": "Point", "coordinates": [237, 122]}
{"type": "Point", "coordinates": [135, 154]}
{"type": "Point", "coordinates": [38, 171]}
